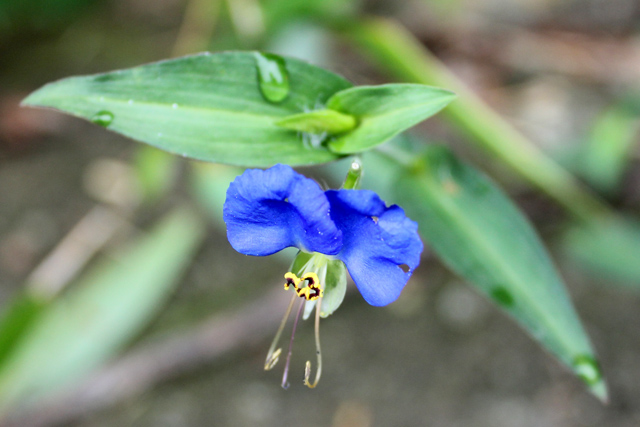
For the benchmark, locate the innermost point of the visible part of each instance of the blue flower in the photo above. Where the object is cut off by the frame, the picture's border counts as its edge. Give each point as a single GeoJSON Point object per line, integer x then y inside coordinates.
{"type": "Point", "coordinates": [268, 210]}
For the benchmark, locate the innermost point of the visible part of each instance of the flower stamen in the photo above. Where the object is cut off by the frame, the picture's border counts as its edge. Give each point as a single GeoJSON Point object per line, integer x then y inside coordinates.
{"type": "Point", "coordinates": [307, 367]}
{"type": "Point", "coordinates": [274, 355]}
{"type": "Point", "coordinates": [285, 383]}
{"type": "Point", "coordinates": [313, 290]}
{"type": "Point", "coordinates": [291, 280]}
{"type": "Point", "coordinates": [310, 292]}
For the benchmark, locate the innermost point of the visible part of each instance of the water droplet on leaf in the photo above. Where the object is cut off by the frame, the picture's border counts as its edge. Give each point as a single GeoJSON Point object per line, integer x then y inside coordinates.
{"type": "Point", "coordinates": [102, 118]}
{"type": "Point", "coordinates": [587, 368]}
{"type": "Point", "coordinates": [273, 78]}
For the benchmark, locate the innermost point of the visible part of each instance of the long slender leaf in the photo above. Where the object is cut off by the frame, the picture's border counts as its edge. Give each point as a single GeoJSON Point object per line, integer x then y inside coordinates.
{"type": "Point", "coordinates": [609, 249]}
{"type": "Point", "coordinates": [244, 108]}
{"type": "Point", "coordinates": [400, 53]}
{"type": "Point", "coordinates": [608, 151]}
{"type": "Point", "coordinates": [100, 314]}
{"type": "Point", "coordinates": [21, 312]}
{"type": "Point", "coordinates": [482, 236]}
{"type": "Point", "coordinates": [208, 106]}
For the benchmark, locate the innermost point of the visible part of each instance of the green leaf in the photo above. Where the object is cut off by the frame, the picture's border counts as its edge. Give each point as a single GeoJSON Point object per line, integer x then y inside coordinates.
{"type": "Point", "coordinates": [482, 236]}
{"type": "Point", "coordinates": [610, 248]}
{"type": "Point", "coordinates": [608, 151]}
{"type": "Point", "coordinates": [380, 167]}
{"type": "Point", "coordinates": [41, 15]}
{"type": "Point", "coordinates": [156, 171]}
{"type": "Point", "coordinates": [319, 121]}
{"type": "Point", "coordinates": [383, 112]}
{"type": "Point", "coordinates": [398, 51]}
{"type": "Point", "coordinates": [108, 307]}
{"type": "Point", "coordinates": [278, 13]}
{"type": "Point", "coordinates": [208, 107]}
{"type": "Point", "coordinates": [21, 313]}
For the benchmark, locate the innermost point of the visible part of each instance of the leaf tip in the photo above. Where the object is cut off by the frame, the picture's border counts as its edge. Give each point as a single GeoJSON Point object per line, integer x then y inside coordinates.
{"type": "Point", "coordinates": [37, 98]}
{"type": "Point", "coordinates": [587, 368]}
{"type": "Point", "coordinates": [30, 100]}
{"type": "Point", "coordinates": [600, 391]}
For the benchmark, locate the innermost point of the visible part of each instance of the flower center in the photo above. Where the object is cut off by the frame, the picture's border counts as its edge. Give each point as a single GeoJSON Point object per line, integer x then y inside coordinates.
{"type": "Point", "coordinates": [312, 269]}
{"type": "Point", "coordinates": [307, 287]}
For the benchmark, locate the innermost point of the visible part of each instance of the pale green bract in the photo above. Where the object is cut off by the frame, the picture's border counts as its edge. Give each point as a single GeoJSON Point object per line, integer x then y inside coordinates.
{"type": "Point", "coordinates": [384, 111]}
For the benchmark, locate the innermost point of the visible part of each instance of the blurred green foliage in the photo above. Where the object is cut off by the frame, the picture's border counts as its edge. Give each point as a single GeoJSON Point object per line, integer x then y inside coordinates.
{"type": "Point", "coordinates": [17, 16]}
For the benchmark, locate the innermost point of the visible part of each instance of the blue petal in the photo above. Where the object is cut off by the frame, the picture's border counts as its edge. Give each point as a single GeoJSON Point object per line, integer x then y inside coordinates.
{"type": "Point", "coordinates": [269, 210]}
{"type": "Point", "coordinates": [377, 241]}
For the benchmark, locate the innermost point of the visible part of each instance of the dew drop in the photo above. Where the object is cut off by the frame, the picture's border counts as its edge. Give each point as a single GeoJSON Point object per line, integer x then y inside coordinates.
{"type": "Point", "coordinates": [102, 118]}
{"type": "Point", "coordinates": [130, 102]}
{"type": "Point", "coordinates": [502, 296]}
{"type": "Point", "coordinates": [273, 78]}
{"type": "Point", "coordinates": [174, 106]}
{"type": "Point", "coordinates": [587, 368]}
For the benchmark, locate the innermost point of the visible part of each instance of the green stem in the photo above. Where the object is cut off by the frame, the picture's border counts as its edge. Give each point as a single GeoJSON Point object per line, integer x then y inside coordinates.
{"type": "Point", "coordinates": [354, 175]}
{"type": "Point", "coordinates": [397, 50]}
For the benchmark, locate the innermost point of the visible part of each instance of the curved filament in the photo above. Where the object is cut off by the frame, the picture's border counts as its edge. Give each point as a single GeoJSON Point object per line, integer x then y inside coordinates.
{"type": "Point", "coordinates": [285, 383]}
{"type": "Point", "coordinates": [307, 367]}
{"type": "Point", "coordinates": [274, 354]}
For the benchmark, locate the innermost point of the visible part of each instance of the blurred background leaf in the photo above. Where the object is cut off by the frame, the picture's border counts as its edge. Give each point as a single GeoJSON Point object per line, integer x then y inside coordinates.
{"type": "Point", "coordinates": [397, 51]}
{"type": "Point", "coordinates": [608, 248]}
{"type": "Point", "coordinates": [100, 314]}
{"type": "Point", "coordinates": [476, 230]}
{"type": "Point", "coordinates": [156, 171]}
{"type": "Point", "coordinates": [607, 154]}
{"type": "Point", "coordinates": [19, 15]}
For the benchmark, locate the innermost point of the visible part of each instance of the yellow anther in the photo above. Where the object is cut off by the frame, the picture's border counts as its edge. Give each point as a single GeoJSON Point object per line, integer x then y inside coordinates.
{"type": "Point", "coordinates": [311, 292]}
{"type": "Point", "coordinates": [291, 279]}
{"type": "Point", "coordinates": [311, 278]}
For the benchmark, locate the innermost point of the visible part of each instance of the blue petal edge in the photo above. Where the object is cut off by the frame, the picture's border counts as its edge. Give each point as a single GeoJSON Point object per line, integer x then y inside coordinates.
{"type": "Point", "coordinates": [268, 210]}
{"type": "Point", "coordinates": [377, 242]}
